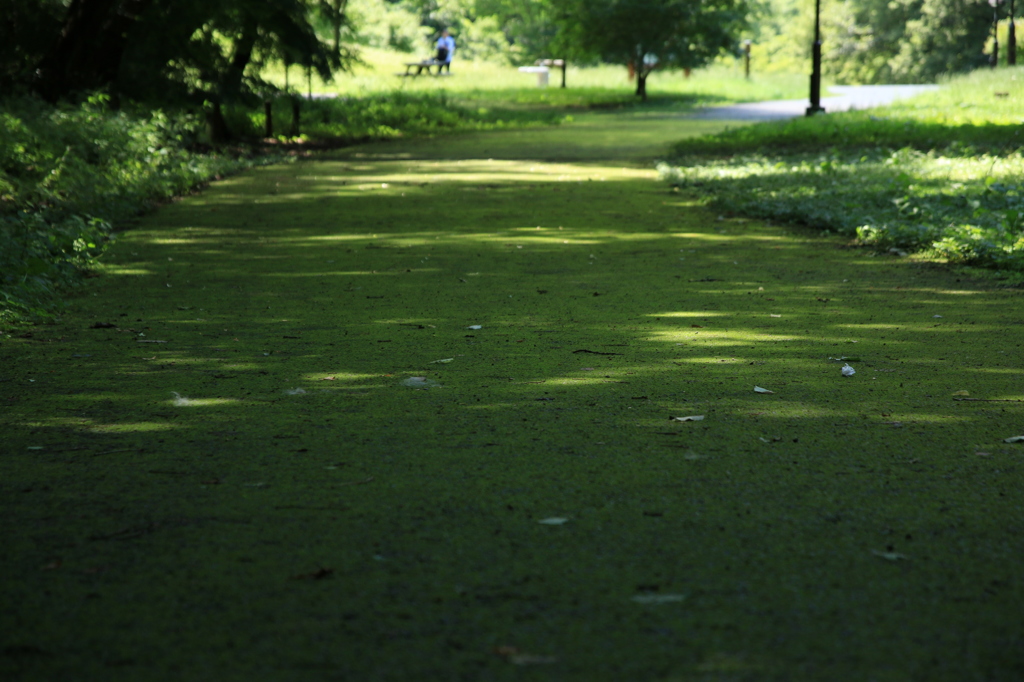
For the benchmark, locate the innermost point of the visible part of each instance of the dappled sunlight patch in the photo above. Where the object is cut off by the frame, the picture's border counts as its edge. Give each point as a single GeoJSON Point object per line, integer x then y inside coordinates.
{"type": "Point", "coordinates": [711, 337]}
{"type": "Point", "coordinates": [481, 172]}
{"type": "Point", "coordinates": [596, 380]}
{"type": "Point", "coordinates": [179, 400]}
{"type": "Point", "coordinates": [417, 322]}
{"type": "Point", "coordinates": [490, 407]}
{"type": "Point", "coordinates": [123, 270]}
{"type": "Point", "coordinates": [337, 273]}
{"type": "Point", "coordinates": [93, 426]}
{"type": "Point", "coordinates": [339, 376]}
{"type": "Point", "coordinates": [702, 313]}
{"type": "Point", "coordinates": [132, 427]}
{"type": "Point", "coordinates": [998, 370]}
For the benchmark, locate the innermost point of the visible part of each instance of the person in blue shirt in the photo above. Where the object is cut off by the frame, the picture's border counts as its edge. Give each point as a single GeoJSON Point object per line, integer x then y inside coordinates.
{"type": "Point", "coordinates": [445, 50]}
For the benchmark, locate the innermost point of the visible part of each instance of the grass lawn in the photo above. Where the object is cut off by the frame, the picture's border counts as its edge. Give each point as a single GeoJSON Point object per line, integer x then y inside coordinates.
{"type": "Point", "coordinates": [938, 174]}
{"type": "Point", "coordinates": [411, 412]}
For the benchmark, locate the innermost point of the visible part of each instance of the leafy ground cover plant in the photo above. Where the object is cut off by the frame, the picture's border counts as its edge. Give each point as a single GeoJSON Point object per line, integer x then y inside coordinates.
{"type": "Point", "coordinates": [939, 174]}
{"type": "Point", "coordinates": [68, 174]}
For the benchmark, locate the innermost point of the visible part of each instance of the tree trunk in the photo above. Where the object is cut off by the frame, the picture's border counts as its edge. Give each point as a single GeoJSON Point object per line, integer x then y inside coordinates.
{"type": "Point", "coordinates": [338, 19]}
{"type": "Point", "coordinates": [231, 85]}
{"type": "Point", "coordinates": [296, 110]}
{"type": "Point", "coordinates": [218, 126]}
{"type": "Point", "coordinates": [641, 83]}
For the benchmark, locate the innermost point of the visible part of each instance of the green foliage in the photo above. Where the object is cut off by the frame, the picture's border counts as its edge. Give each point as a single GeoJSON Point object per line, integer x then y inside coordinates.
{"type": "Point", "coordinates": [904, 178]}
{"type": "Point", "coordinates": [647, 35]}
{"type": "Point", "coordinates": [905, 41]}
{"type": "Point", "coordinates": [877, 41]}
{"type": "Point", "coordinates": [67, 175]}
{"type": "Point", "coordinates": [387, 25]}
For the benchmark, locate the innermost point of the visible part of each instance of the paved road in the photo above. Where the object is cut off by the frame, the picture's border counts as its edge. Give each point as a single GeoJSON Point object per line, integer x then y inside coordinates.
{"type": "Point", "coordinates": [845, 99]}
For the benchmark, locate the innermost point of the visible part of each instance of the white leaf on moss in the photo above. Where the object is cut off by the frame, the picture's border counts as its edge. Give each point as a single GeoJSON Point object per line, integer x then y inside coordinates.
{"type": "Point", "coordinates": [889, 556]}
{"type": "Point", "coordinates": [758, 389]}
{"type": "Point", "coordinates": [420, 382]}
{"type": "Point", "coordinates": [180, 400]}
{"type": "Point", "coordinates": [848, 371]}
{"type": "Point", "coordinates": [1014, 439]}
{"type": "Point", "coordinates": [691, 418]}
{"type": "Point", "coordinates": [554, 521]}
{"type": "Point", "coordinates": [443, 362]}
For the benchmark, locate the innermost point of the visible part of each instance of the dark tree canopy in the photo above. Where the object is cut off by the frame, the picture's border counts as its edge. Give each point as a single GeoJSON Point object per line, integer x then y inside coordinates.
{"type": "Point", "coordinates": [166, 51]}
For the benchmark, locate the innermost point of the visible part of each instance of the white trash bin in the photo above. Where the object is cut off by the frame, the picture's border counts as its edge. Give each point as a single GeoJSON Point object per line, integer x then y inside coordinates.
{"type": "Point", "coordinates": [542, 74]}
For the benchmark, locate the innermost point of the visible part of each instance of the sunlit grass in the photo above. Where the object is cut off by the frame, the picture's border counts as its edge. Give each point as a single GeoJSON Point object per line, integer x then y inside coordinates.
{"type": "Point", "coordinates": [938, 173]}
{"type": "Point", "coordinates": [487, 82]}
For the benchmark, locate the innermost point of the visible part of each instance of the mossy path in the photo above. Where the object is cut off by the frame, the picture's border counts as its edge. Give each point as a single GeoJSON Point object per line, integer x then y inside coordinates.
{"type": "Point", "coordinates": [406, 414]}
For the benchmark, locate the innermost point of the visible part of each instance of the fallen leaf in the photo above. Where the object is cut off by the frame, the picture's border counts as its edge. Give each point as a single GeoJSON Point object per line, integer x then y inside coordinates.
{"type": "Point", "coordinates": [758, 389]}
{"type": "Point", "coordinates": [443, 361]}
{"type": "Point", "coordinates": [658, 598]}
{"type": "Point", "coordinates": [553, 521]}
{"type": "Point", "coordinates": [773, 315]}
{"type": "Point", "coordinates": [327, 379]}
{"type": "Point", "coordinates": [963, 393]}
{"type": "Point", "coordinates": [295, 391]}
{"type": "Point", "coordinates": [691, 418]}
{"type": "Point", "coordinates": [889, 556]}
{"type": "Point", "coordinates": [1014, 439]}
{"type": "Point", "coordinates": [848, 371]}
{"type": "Point", "coordinates": [475, 326]}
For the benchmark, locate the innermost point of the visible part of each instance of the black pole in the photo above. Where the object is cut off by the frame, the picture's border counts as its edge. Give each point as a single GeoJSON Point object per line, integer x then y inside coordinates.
{"type": "Point", "coordinates": [995, 32]}
{"type": "Point", "coordinates": [1011, 39]}
{"type": "Point", "coordinates": [816, 107]}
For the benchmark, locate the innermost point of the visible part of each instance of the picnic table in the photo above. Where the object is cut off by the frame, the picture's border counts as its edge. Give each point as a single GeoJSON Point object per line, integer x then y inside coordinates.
{"type": "Point", "coordinates": [420, 66]}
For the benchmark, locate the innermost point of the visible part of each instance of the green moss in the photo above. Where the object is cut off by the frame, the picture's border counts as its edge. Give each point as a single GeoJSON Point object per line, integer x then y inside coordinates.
{"type": "Point", "coordinates": [365, 530]}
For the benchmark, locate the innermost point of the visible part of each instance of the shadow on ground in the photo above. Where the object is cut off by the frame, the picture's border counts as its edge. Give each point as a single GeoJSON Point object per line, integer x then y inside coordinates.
{"type": "Point", "coordinates": [232, 472]}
